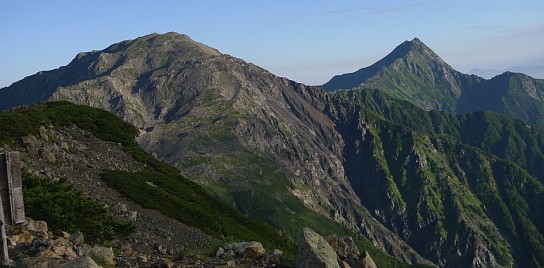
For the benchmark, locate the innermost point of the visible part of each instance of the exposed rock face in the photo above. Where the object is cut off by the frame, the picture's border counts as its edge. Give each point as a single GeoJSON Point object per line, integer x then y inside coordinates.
{"type": "Point", "coordinates": [314, 251]}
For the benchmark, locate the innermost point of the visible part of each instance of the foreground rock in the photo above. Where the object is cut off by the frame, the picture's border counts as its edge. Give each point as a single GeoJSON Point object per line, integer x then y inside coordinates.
{"type": "Point", "coordinates": [367, 261]}
{"type": "Point", "coordinates": [334, 251]}
{"type": "Point", "coordinates": [33, 245]}
{"type": "Point", "coordinates": [315, 251]}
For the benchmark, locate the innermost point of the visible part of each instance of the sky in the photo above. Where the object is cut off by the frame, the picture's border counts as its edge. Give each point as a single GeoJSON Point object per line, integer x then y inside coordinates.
{"type": "Point", "coordinates": [306, 41]}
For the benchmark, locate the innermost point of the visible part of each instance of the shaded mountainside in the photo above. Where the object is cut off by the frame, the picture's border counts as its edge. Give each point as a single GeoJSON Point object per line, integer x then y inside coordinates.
{"type": "Point", "coordinates": [413, 72]}
{"type": "Point", "coordinates": [421, 185]}
{"type": "Point", "coordinates": [439, 163]}
{"type": "Point", "coordinates": [513, 94]}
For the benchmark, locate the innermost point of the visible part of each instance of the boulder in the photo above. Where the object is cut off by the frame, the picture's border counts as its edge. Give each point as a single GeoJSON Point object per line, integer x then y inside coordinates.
{"type": "Point", "coordinates": [315, 251]}
{"type": "Point", "coordinates": [36, 226]}
{"type": "Point", "coordinates": [229, 254]}
{"type": "Point", "coordinates": [22, 237]}
{"type": "Point", "coordinates": [120, 207]}
{"type": "Point", "coordinates": [48, 155]}
{"type": "Point", "coordinates": [30, 143]}
{"type": "Point", "coordinates": [83, 262]}
{"type": "Point", "coordinates": [220, 251]}
{"type": "Point", "coordinates": [102, 254]}
{"type": "Point", "coordinates": [367, 261]}
{"type": "Point", "coordinates": [276, 257]}
{"type": "Point", "coordinates": [344, 264]}
{"type": "Point", "coordinates": [132, 215]}
{"type": "Point", "coordinates": [247, 249]}
{"type": "Point", "coordinates": [343, 246]}
{"type": "Point", "coordinates": [77, 239]}
{"type": "Point", "coordinates": [37, 262]}
{"type": "Point", "coordinates": [63, 248]}
{"type": "Point", "coordinates": [64, 146]}
{"type": "Point", "coordinates": [43, 133]}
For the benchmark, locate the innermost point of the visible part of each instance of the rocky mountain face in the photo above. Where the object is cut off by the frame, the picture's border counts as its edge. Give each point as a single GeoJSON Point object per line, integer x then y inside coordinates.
{"type": "Point", "coordinates": [418, 184]}
{"type": "Point", "coordinates": [413, 72]}
{"type": "Point", "coordinates": [243, 133]}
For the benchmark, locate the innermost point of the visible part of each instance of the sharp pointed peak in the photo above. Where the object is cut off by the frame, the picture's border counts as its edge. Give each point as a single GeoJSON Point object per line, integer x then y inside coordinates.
{"type": "Point", "coordinates": [416, 41]}
{"type": "Point", "coordinates": [409, 47]}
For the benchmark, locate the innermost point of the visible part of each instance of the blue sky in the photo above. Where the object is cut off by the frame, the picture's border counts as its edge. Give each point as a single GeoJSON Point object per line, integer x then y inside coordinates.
{"type": "Point", "coordinates": [307, 41]}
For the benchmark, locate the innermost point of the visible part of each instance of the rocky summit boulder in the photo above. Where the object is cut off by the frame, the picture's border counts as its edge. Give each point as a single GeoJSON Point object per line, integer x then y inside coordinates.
{"type": "Point", "coordinates": [315, 251]}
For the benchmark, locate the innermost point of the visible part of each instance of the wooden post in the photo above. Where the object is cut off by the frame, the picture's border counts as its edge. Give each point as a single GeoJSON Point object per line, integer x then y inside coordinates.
{"type": "Point", "coordinates": [4, 252]}
{"type": "Point", "coordinates": [12, 210]}
{"type": "Point", "coordinates": [5, 172]}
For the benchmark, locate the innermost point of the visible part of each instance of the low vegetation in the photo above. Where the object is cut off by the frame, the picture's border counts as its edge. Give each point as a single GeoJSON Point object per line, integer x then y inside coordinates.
{"type": "Point", "coordinates": [65, 209]}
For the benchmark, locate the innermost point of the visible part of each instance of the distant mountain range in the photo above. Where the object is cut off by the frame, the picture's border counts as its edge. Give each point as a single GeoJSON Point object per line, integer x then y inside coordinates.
{"type": "Point", "coordinates": [386, 160]}
{"type": "Point", "coordinates": [413, 72]}
{"type": "Point", "coordinates": [533, 71]}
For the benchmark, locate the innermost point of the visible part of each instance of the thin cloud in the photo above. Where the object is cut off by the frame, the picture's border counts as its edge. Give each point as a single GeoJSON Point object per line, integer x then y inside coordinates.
{"type": "Point", "coordinates": [520, 32]}
{"type": "Point", "coordinates": [483, 27]}
{"type": "Point", "coordinates": [374, 10]}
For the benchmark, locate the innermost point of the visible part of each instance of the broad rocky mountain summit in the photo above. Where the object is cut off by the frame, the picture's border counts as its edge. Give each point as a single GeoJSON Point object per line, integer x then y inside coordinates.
{"type": "Point", "coordinates": [410, 186]}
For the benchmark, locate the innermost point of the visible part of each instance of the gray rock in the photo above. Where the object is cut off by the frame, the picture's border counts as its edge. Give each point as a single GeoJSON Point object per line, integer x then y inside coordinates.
{"type": "Point", "coordinates": [30, 143]}
{"type": "Point", "coordinates": [33, 262]}
{"type": "Point", "coordinates": [83, 262]}
{"type": "Point", "coordinates": [48, 155]}
{"type": "Point", "coordinates": [103, 254]}
{"type": "Point", "coordinates": [220, 251]}
{"type": "Point", "coordinates": [344, 264]}
{"type": "Point", "coordinates": [275, 257]}
{"type": "Point", "coordinates": [315, 251]}
{"type": "Point", "coordinates": [367, 261]}
{"type": "Point", "coordinates": [43, 133]}
{"type": "Point", "coordinates": [36, 226]}
{"type": "Point", "coordinates": [247, 249]}
{"type": "Point", "coordinates": [64, 146]}
{"type": "Point", "coordinates": [343, 246]}
{"type": "Point", "coordinates": [120, 207]}
{"type": "Point", "coordinates": [229, 254]}
{"type": "Point", "coordinates": [132, 215]}
{"type": "Point", "coordinates": [77, 239]}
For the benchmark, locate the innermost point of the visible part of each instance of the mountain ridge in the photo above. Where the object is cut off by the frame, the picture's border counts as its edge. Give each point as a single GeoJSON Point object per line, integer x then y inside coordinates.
{"type": "Point", "coordinates": [428, 82]}
{"type": "Point", "coordinates": [295, 155]}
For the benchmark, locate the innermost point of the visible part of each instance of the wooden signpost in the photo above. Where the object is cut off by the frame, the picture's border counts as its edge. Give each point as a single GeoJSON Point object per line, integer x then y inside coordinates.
{"type": "Point", "coordinates": [12, 209]}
